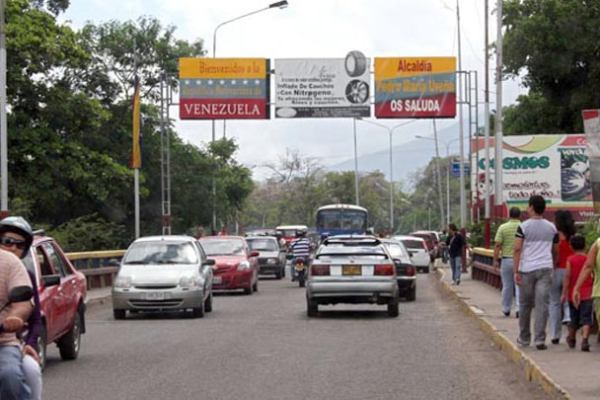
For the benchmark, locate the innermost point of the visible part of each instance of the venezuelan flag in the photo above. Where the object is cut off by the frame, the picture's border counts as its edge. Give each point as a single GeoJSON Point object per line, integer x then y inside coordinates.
{"type": "Point", "coordinates": [136, 155]}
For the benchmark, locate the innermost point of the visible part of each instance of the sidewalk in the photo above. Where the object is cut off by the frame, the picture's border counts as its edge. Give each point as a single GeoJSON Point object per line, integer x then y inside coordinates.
{"type": "Point", "coordinates": [98, 296]}
{"type": "Point", "coordinates": [573, 370]}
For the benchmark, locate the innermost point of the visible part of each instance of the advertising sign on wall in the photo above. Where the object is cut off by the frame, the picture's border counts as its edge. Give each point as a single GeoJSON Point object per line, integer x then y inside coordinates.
{"type": "Point", "coordinates": [415, 87]}
{"type": "Point", "coordinates": [323, 88]}
{"type": "Point", "coordinates": [223, 88]}
{"type": "Point", "coordinates": [591, 125]}
{"type": "Point", "coordinates": [553, 166]}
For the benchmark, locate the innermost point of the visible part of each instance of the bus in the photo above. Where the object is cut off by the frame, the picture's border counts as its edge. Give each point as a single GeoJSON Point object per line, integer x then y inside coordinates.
{"type": "Point", "coordinates": [342, 219]}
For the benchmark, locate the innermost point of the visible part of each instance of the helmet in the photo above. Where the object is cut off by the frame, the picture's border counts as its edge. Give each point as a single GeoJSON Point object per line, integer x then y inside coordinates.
{"type": "Point", "coordinates": [325, 235]}
{"type": "Point", "coordinates": [19, 226]}
{"type": "Point", "coordinates": [300, 232]}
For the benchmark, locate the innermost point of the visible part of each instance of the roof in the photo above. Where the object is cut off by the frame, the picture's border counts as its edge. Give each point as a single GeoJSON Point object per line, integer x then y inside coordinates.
{"type": "Point", "coordinates": [286, 227]}
{"type": "Point", "coordinates": [249, 238]}
{"type": "Point", "coordinates": [167, 238]}
{"type": "Point", "coordinates": [342, 206]}
{"type": "Point", "coordinates": [226, 237]}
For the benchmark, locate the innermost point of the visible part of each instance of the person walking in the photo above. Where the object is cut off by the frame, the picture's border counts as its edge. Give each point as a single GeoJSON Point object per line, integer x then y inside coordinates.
{"type": "Point", "coordinates": [199, 233]}
{"type": "Point", "coordinates": [505, 247]}
{"type": "Point", "coordinates": [456, 244]}
{"type": "Point", "coordinates": [535, 254]}
{"type": "Point", "coordinates": [559, 311]}
{"type": "Point", "coordinates": [591, 266]}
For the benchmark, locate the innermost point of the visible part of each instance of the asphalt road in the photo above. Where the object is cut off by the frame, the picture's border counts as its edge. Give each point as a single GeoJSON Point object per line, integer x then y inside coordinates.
{"type": "Point", "coordinates": [264, 347]}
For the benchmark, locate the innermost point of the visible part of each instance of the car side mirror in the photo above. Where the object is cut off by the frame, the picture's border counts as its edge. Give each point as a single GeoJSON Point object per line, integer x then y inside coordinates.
{"type": "Point", "coordinates": [410, 255]}
{"type": "Point", "coordinates": [51, 280]}
{"type": "Point", "coordinates": [254, 254]}
{"type": "Point", "coordinates": [209, 261]}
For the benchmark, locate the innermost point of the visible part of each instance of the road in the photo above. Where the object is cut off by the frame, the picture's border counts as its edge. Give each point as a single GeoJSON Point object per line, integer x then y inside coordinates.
{"type": "Point", "coordinates": [264, 347]}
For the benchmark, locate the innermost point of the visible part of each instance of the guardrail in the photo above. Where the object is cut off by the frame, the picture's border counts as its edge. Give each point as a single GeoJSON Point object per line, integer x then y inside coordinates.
{"type": "Point", "coordinates": [99, 267]}
{"type": "Point", "coordinates": [483, 267]}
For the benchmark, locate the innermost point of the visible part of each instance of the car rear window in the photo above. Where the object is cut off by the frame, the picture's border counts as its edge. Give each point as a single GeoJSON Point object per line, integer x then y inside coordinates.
{"type": "Point", "coordinates": [396, 251]}
{"type": "Point", "coordinates": [223, 247]}
{"type": "Point", "coordinates": [263, 244]}
{"type": "Point", "coordinates": [412, 244]}
{"type": "Point", "coordinates": [340, 251]}
{"type": "Point", "coordinates": [161, 253]}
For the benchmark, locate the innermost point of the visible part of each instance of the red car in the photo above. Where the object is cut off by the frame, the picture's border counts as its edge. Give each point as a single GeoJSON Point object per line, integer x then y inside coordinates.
{"type": "Point", "coordinates": [62, 291]}
{"type": "Point", "coordinates": [236, 265]}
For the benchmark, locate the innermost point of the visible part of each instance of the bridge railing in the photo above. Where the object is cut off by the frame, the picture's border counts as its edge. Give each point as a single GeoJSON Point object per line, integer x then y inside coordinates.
{"type": "Point", "coordinates": [99, 267]}
{"type": "Point", "coordinates": [483, 267]}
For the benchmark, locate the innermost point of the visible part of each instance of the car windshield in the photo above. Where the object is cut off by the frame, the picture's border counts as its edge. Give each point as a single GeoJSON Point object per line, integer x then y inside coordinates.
{"type": "Point", "coordinates": [352, 253]}
{"type": "Point", "coordinates": [161, 252]}
{"type": "Point", "coordinates": [395, 250]}
{"type": "Point", "coordinates": [412, 244]}
{"type": "Point", "coordinates": [219, 247]}
{"type": "Point", "coordinates": [263, 244]}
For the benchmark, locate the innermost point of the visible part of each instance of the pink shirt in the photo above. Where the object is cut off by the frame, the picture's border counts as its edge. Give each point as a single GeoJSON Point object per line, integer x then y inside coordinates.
{"type": "Point", "coordinates": [12, 274]}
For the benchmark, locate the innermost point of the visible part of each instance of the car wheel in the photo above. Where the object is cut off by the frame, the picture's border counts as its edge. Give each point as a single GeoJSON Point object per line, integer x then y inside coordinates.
{"type": "Point", "coordinates": [69, 344]}
{"type": "Point", "coordinates": [248, 290]}
{"type": "Point", "coordinates": [255, 286]}
{"type": "Point", "coordinates": [312, 308]}
{"type": "Point", "coordinates": [119, 314]}
{"type": "Point", "coordinates": [42, 346]}
{"type": "Point", "coordinates": [393, 308]}
{"type": "Point", "coordinates": [198, 312]}
{"type": "Point", "coordinates": [426, 269]}
{"type": "Point", "coordinates": [208, 303]}
{"type": "Point", "coordinates": [411, 295]}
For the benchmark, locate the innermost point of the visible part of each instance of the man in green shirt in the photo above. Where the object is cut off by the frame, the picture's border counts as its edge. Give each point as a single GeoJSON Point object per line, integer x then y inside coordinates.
{"type": "Point", "coordinates": [505, 244]}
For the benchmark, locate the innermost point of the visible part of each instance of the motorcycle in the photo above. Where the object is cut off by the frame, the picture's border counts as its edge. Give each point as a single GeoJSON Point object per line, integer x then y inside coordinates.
{"type": "Point", "coordinates": [301, 270]}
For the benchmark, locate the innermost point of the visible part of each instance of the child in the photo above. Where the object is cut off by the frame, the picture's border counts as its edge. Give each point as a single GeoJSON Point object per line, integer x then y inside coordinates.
{"type": "Point", "coordinates": [580, 316]}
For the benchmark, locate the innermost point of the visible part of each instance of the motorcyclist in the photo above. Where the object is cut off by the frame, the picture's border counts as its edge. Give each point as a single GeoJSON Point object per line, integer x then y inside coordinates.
{"type": "Point", "coordinates": [16, 237]}
{"type": "Point", "coordinates": [300, 248]}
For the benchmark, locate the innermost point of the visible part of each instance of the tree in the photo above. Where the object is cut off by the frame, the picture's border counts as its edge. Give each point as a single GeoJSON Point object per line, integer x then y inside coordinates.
{"type": "Point", "coordinates": [555, 43]}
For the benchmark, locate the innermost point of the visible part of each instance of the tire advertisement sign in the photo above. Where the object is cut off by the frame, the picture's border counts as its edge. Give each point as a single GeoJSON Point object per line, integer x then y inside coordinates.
{"type": "Point", "coordinates": [323, 88]}
{"type": "Point", "coordinates": [224, 88]}
{"type": "Point", "coordinates": [415, 87]}
{"type": "Point", "coordinates": [591, 125]}
{"type": "Point", "coordinates": [553, 166]}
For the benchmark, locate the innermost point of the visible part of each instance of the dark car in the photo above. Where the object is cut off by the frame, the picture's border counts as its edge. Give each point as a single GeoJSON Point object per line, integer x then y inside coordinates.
{"type": "Point", "coordinates": [271, 258]}
{"type": "Point", "coordinates": [62, 291]}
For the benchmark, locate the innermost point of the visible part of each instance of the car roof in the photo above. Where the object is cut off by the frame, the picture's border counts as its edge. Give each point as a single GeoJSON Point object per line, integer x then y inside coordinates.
{"type": "Point", "coordinates": [408, 237]}
{"type": "Point", "coordinates": [272, 238]}
{"type": "Point", "coordinates": [166, 238]}
{"type": "Point", "coordinates": [352, 240]}
{"type": "Point", "coordinates": [226, 237]}
{"type": "Point", "coordinates": [286, 227]}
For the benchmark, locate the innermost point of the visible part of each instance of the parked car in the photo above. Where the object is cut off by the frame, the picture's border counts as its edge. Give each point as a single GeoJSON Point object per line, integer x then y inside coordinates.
{"type": "Point", "coordinates": [164, 273]}
{"type": "Point", "coordinates": [418, 250]}
{"type": "Point", "coordinates": [62, 291]}
{"type": "Point", "coordinates": [405, 269]}
{"type": "Point", "coordinates": [352, 269]}
{"type": "Point", "coordinates": [271, 258]}
{"type": "Point", "coordinates": [236, 265]}
{"type": "Point", "coordinates": [431, 241]}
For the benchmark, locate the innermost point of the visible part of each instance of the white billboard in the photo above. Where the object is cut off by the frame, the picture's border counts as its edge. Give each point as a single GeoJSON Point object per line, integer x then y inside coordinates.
{"type": "Point", "coordinates": [323, 88]}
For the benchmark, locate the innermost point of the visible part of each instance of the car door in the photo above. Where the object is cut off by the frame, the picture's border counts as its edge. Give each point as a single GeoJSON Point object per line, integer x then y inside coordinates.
{"type": "Point", "coordinates": [205, 270]}
{"type": "Point", "coordinates": [50, 297]}
{"type": "Point", "coordinates": [67, 287]}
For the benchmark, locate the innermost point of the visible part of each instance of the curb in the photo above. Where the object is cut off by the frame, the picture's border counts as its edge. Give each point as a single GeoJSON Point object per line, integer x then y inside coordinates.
{"type": "Point", "coordinates": [533, 372]}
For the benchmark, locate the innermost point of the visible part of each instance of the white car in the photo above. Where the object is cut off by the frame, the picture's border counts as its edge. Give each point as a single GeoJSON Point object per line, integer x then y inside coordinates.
{"type": "Point", "coordinates": [418, 250]}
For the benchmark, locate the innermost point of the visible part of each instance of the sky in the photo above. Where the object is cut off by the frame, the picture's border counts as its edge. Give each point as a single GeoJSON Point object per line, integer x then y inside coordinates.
{"type": "Point", "coordinates": [315, 29]}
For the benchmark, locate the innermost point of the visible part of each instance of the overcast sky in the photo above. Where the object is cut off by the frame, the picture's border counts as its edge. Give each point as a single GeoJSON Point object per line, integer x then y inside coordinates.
{"type": "Point", "coordinates": [314, 29]}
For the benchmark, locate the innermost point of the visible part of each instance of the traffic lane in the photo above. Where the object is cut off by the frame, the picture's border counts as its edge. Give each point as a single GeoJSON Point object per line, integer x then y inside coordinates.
{"type": "Point", "coordinates": [264, 347]}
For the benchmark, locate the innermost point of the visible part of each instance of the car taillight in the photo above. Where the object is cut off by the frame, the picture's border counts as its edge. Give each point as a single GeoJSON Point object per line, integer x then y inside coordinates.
{"type": "Point", "coordinates": [385, 269]}
{"type": "Point", "coordinates": [410, 271]}
{"type": "Point", "coordinates": [319, 270]}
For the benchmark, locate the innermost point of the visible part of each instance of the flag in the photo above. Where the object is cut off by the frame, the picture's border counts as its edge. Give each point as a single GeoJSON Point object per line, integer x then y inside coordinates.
{"type": "Point", "coordinates": [136, 154]}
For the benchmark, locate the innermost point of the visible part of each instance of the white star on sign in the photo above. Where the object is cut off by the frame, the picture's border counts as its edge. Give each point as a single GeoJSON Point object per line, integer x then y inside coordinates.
{"type": "Point", "coordinates": [233, 82]}
{"type": "Point", "coordinates": [257, 82]}
{"type": "Point", "coordinates": [187, 82]}
{"type": "Point", "coordinates": [245, 82]}
{"type": "Point", "coordinates": [210, 82]}
{"type": "Point", "coordinates": [198, 82]}
{"type": "Point", "coordinates": [222, 82]}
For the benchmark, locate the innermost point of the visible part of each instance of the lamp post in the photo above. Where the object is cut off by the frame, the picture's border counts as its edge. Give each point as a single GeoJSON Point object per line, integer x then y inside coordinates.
{"type": "Point", "coordinates": [280, 4]}
{"type": "Point", "coordinates": [447, 144]}
{"type": "Point", "coordinates": [391, 131]}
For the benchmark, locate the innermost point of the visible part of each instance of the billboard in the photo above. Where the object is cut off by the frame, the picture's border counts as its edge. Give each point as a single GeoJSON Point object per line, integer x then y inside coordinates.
{"type": "Point", "coordinates": [323, 88]}
{"type": "Point", "coordinates": [223, 88]}
{"type": "Point", "coordinates": [591, 125]}
{"type": "Point", "coordinates": [553, 166]}
{"type": "Point", "coordinates": [415, 87]}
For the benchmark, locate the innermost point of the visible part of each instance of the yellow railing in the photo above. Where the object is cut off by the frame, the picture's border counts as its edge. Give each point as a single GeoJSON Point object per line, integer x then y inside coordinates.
{"type": "Point", "coordinates": [95, 254]}
{"type": "Point", "coordinates": [482, 251]}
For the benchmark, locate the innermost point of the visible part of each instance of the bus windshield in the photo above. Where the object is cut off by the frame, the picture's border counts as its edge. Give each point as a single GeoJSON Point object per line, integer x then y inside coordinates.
{"type": "Point", "coordinates": [342, 220]}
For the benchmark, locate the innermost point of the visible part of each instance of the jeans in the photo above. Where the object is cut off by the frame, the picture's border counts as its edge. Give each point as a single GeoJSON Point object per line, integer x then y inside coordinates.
{"type": "Point", "coordinates": [12, 377]}
{"type": "Point", "coordinates": [509, 289]}
{"type": "Point", "coordinates": [556, 306]}
{"type": "Point", "coordinates": [456, 265]}
{"type": "Point", "coordinates": [535, 291]}
{"type": "Point", "coordinates": [33, 376]}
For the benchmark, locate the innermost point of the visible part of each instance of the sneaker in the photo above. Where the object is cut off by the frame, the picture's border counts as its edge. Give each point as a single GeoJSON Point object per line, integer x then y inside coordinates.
{"type": "Point", "coordinates": [555, 341]}
{"type": "Point", "coordinates": [585, 345]}
{"type": "Point", "coordinates": [541, 346]}
{"type": "Point", "coordinates": [517, 314]}
{"type": "Point", "coordinates": [506, 313]}
{"type": "Point", "coordinates": [522, 344]}
{"type": "Point", "coordinates": [571, 342]}
{"type": "Point", "coordinates": [458, 282]}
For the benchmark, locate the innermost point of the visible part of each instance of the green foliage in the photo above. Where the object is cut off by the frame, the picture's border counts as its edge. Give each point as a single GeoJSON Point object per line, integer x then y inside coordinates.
{"type": "Point", "coordinates": [554, 42]}
{"type": "Point", "coordinates": [90, 233]}
{"type": "Point", "coordinates": [591, 232]}
{"type": "Point", "coordinates": [476, 231]}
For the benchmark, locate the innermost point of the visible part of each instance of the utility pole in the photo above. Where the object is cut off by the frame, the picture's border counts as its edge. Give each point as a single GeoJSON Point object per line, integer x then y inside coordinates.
{"type": "Point", "coordinates": [487, 185]}
{"type": "Point", "coordinates": [498, 125]}
{"type": "Point", "coordinates": [463, 203]}
{"type": "Point", "coordinates": [439, 175]}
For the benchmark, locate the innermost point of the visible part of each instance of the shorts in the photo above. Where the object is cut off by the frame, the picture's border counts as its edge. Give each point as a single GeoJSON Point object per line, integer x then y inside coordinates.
{"type": "Point", "coordinates": [583, 315]}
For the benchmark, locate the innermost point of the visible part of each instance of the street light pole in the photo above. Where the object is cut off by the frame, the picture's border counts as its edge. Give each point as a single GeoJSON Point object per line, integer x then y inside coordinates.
{"type": "Point", "coordinates": [355, 166]}
{"type": "Point", "coordinates": [281, 5]}
{"type": "Point", "coordinates": [439, 174]}
{"type": "Point", "coordinates": [390, 131]}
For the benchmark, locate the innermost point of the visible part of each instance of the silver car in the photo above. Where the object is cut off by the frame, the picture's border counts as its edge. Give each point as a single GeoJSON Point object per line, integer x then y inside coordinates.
{"type": "Point", "coordinates": [417, 248]}
{"type": "Point", "coordinates": [163, 273]}
{"type": "Point", "coordinates": [271, 258]}
{"type": "Point", "coordinates": [352, 269]}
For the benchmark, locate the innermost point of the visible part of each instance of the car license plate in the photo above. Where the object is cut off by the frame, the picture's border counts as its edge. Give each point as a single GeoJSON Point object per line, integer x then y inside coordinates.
{"type": "Point", "coordinates": [351, 270]}
{"type": "Point", "coordinates": [217, 280]}
{"type": "Point", "coordinates": [155, 296]}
